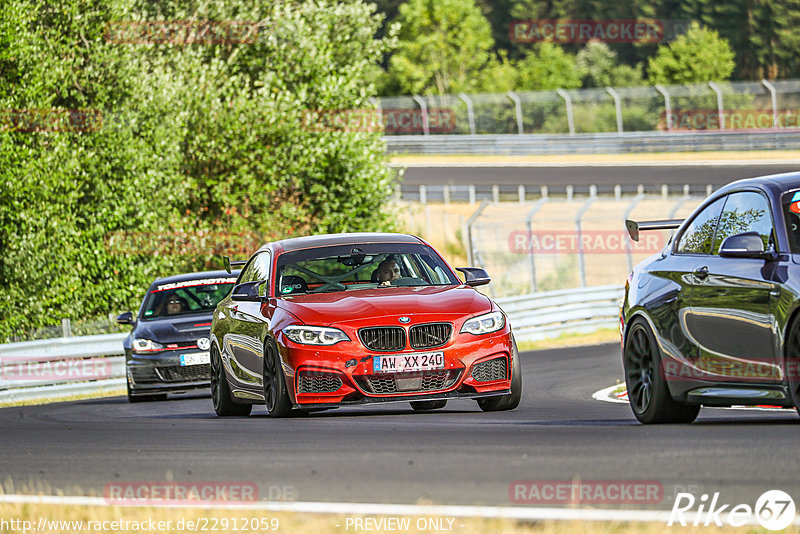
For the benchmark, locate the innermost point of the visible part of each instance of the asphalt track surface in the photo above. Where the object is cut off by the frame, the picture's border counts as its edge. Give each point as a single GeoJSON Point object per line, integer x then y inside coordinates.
{"type": "Point", "coordinates": [604, 176]}
{"type": "Point", "coordinates": [458, 455]}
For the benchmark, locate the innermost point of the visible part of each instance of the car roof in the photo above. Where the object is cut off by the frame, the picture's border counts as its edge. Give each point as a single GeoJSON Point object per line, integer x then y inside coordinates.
{"type": "Point", "coordinates": [356, 238]}
{"type": "Point", "coordinates": [779, 182]}
{"type": "Point", "coordinates": [195, 276]}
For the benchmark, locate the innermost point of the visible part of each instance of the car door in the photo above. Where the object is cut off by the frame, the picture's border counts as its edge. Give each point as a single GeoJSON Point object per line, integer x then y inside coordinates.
{"type": "Point", "coordinates": [242, 343]}
{"type": "Point", "coordinates": [730, 318]}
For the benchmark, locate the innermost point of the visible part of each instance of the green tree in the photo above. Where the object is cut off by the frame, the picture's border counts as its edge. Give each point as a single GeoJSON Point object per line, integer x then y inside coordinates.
{"type": "Point", "coordinates": [700, 55]}
{"type": "Point", "coordinates": [197, 142]}
{"type": "Point", "coordinates": [547, 66]}
{"type": "Point", "coordinates": [600, 68]}
{"type": "Point", "coordinates": [445, 47]}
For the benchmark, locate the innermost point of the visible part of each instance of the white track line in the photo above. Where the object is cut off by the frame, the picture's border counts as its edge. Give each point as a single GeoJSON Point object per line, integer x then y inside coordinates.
{"type": "Point", "coordinates": [605, 396]}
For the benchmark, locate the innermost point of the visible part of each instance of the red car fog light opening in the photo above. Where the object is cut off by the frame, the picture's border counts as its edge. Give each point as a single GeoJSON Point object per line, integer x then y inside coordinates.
{"type": "Point", "coordinates": [318, 382]}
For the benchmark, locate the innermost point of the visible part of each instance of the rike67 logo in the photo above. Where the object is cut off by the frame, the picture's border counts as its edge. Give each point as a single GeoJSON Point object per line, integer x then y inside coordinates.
{"type": "Point", "coordinates": [774, 510]}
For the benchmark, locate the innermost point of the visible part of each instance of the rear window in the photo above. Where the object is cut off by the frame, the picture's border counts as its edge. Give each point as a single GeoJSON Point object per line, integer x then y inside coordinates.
{"type": "Point", "coordinates": [189, 296]}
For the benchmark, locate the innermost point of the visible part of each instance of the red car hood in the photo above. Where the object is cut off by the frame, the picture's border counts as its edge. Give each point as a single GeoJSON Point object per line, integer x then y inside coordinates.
{"type": "Point", "coordinates": [357, 305]}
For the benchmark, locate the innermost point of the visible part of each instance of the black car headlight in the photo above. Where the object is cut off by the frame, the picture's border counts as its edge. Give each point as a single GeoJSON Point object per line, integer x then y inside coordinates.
{"type": "Point", "coordinates": [141, 344]}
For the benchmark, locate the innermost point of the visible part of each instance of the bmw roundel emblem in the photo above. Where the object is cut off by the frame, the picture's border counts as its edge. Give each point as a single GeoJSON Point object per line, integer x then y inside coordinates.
{"type": "Point", "coordinates": [203, 343]}
{"type": "Point", "coordinates": [405, 320]}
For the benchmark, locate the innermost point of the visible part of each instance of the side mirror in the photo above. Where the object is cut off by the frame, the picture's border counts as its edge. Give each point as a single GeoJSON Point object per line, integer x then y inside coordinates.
{"type": "Point", "coordinates": [474, 276]}
{"type": "Point", "coordinates": [745, 245]}
{"type": "Point", "coordinates": [248, 291]}
{"type": "Point", "coordinates": [125, 318]}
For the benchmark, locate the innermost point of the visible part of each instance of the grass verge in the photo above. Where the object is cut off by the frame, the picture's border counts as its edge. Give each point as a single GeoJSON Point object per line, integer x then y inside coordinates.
{"type": "Point", "coordinates": [599, 337]}
{"type": "Point", "coordinates": [65, 398]}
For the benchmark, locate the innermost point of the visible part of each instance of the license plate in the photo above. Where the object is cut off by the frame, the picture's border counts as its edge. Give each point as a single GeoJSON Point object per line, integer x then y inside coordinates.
{"type": "Point", "coordinates": [197, 358]}
{"type": "Point", "coordinates": [404, 363]}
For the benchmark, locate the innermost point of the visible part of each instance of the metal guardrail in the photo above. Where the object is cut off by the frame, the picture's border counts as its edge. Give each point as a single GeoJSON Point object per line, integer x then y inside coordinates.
{"type": "Point", "coordinates": [92, 361]}
{"type": "Point", "coordinates": [615, 143]}
{"type": "Point", "coordinates": [549, 314]}
{"type": "Point", "coordinates": [92, 364]}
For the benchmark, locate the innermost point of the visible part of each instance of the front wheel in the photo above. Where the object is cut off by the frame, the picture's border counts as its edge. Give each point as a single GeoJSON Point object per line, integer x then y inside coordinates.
{"type": "Point", "coordinates": [510, 401]}
{"type": "Point", "coordinates": [221, 390]}
{"type": "Point", "coordinates": [648, 392]}
{"type": "Point", "coordinates": [276, 397]}
{"type": "Point", "coordinates": [792, 363]}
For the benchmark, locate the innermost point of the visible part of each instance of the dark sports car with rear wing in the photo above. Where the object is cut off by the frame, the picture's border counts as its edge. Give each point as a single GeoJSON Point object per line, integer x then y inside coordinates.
{"type": "Point", "coordinates": [712, 320]}
{"type": "Point", "coordinates": [349, 319]}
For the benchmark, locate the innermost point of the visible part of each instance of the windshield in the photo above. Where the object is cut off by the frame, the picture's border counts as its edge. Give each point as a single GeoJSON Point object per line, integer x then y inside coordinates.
{"type": "Point", "coordinates": [791, 212]}
{"type": "Point", "coordinates": [347, 268]}
{"type": "Point", "coordinates": [183, 298]}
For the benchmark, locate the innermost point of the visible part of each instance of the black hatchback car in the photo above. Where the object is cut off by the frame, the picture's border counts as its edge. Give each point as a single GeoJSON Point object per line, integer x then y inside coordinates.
{"type": "Point", "coordinates": [712, 320]}
{"type": "Point", "coordinates": [168, 349]}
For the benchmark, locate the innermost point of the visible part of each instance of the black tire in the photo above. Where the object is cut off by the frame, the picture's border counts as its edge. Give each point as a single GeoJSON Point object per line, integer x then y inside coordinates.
{"type": "Point", "coordinates": [510, 401]}
{"type": "Point", "coordinates": [276, 396]}
{"type": "Point", "coordinates": [792, 363]}
{"type": "Point", "coordinates": [421, 406]}
{"type": "Point", "coordinates": [144, 398]}
{"type": "Point", "coordinates": [648, 392]}
{"type": "Point", "coordinates": [221, 391]}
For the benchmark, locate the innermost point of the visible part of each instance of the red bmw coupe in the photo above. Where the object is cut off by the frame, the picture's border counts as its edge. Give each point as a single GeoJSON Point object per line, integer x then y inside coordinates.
{"type": "Point", "coordinates": [326, 321]}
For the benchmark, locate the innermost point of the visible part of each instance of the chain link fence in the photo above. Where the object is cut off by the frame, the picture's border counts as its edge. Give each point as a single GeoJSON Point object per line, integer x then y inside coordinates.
{"type": "Point", "coordinates": [714, 106]}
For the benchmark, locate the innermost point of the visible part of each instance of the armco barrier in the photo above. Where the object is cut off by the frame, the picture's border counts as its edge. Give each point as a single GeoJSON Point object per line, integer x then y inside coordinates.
{"type": "Point", "coordinates": [551, 313]}
{"type": "Point", "coordinates": [89, 360]}
{"type": "Point", "coordinates": [594, 143]}
{"type": "Point", "coordinates": [54, 366]}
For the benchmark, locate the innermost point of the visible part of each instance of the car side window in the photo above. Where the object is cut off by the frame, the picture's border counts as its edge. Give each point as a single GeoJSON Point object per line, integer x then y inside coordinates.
{"type": "Point", "coordinates": [257, 269]}
{"type": "Point", "coordinates": [746, 211]}
{"type": "Point", "coordinates": [699, 235]}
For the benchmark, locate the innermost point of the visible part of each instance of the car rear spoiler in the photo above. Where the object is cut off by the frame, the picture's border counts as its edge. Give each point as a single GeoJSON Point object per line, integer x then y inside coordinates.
{"type": "Point", "coordinates": [663, 224]}
{"type": "Point", "coordinates": [226, 261]}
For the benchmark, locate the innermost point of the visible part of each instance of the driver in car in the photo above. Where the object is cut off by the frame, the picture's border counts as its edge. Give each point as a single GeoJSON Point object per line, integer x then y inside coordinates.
{"type": "Point", "coordinates": [388, 270]}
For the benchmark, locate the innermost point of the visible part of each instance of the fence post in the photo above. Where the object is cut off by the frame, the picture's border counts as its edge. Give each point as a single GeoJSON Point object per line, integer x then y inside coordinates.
{"type": "Point", "coordinates": [570, 193]}
{"type": "Point", "coordinates": [470, 112]}
{"type": "Point", "coordinates": [423, 194]}
{"type": "Point", "coordinates": [446, 193]}
{"type": "Point", "coordinates": [529, 226]}
{"type": "Point", "coordinates": [521, 193]}
{"type": "Point", "coordinates": [472, 194]}
{"type": "Point", "coordinates": [568, 102]}
{"type": "Point", "coordinates": [581, 258]}
{"type": "Point", "coordinates": [720, 105]}
{"type": "Point", "coordinates": [423, 107]}
{"type": "Point", "coordinates": [774, 98]}
{"type": "Point", "coordinates": [518, 110]}
{"type": "Point", "coordinates": [66, 328]}
{"type": "Point", "coordinates": [495, 193]}
{"type": "Point", "coordinates": [617, 192]}
{"type": "Point", "coordinates": [617, 107]}
{"type": "Point", "coordinates": [667, 105]}
{"type": "Point", "coordinates": [470, 242]}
